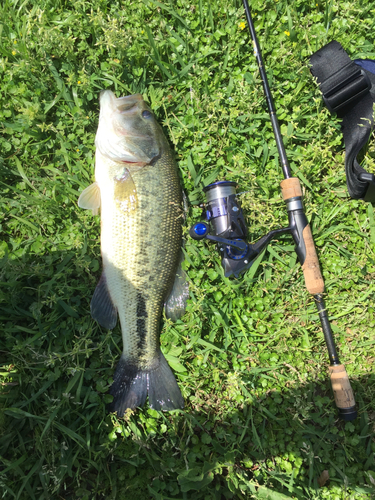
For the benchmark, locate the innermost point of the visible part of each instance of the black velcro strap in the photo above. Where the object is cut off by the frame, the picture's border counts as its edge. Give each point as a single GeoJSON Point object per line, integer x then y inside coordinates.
{"type": "Point", "coordinates": [345, 88]}
{"type": "Point", "coordinates": [341, 81]}
{"type": "Point", "coordinates": [349, 91]}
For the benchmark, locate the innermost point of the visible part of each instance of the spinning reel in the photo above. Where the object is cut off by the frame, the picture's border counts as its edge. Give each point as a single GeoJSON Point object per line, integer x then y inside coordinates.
{"type": "Point", "coordinates": [226, 226]}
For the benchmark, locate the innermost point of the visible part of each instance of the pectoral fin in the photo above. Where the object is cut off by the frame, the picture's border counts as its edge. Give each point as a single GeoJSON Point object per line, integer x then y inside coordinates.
{"type": "Point", "coordinates": [175, 305]}
{"type": "Point", "coordinates": [90, 198]}
{"type": "Point", "coordinates": [102, 308]}
{"type": "Point", "coordinates": [125, 191]}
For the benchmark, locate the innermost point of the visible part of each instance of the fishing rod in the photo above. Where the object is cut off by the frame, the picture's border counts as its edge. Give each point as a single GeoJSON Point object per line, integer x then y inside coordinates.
{"type": "Point", "coordinates": [226, 227]}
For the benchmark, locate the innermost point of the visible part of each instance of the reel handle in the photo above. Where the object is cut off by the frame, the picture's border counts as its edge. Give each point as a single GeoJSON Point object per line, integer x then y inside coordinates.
{"type": "Point", "coordinates": [201, 230]}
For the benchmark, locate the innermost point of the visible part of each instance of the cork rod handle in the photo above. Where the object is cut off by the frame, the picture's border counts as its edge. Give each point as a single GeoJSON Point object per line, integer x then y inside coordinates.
{"type": "Point", "coordinates": [341, 387]}
{"type": "Point", "coordinates": [291, 188]}
{"type": "Point", "coordinates": [311, 270]}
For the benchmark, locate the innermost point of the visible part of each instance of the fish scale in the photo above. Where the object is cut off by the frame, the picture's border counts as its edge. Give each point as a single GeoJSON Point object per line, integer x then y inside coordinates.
{"type": "Point", "coordinates": [141, 233]}
{"type": "Point", "coordinates": [137, 242]}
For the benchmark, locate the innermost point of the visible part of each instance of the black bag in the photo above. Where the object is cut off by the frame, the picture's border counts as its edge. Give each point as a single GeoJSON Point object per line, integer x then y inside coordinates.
{"type": "Point", "coordinates": [348, 89]}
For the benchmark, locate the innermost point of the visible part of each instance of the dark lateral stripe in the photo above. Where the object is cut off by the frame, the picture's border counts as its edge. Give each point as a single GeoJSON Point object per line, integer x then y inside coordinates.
{"type": "Point", "coordinates": [141, 323]}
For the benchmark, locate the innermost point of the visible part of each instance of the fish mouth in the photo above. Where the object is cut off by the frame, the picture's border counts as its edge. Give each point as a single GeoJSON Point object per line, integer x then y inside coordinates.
{"type": "Point", "coordinates": [123, 104]}
{"type": "Point", "coordinates": [131, 164]}
{"type": "Point", "coordinates": [129, 103]}
{"type": "Point", "coordinates": [124, 133]}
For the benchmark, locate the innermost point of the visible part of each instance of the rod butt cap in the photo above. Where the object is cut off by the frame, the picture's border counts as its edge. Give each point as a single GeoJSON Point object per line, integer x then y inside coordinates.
{"type": "Point", "coordinates": [348, 414]}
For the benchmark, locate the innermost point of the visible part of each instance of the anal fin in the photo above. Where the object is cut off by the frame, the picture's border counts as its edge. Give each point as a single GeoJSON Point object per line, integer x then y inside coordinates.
{"type": "Point", "coordinates": [102, 308]}
{"type": "Point", "coordinates": [175, 304]}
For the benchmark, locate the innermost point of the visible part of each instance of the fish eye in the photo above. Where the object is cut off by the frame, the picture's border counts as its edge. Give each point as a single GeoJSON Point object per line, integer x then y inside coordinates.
{"type": "Point", "coordinates": [146, 114]}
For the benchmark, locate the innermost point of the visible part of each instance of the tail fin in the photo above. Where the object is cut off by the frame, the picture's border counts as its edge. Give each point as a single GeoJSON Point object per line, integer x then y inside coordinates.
{"type": "Point", "coordinates": [129, 388]}
{"type": "Point", "coordinates": [163, 391]}
{"type": "Point", "coordinates": [131, 384]}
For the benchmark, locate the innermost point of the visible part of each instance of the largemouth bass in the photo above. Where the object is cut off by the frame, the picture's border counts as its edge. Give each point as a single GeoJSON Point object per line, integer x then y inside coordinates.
{"type": "Point", "coordinates": [138, 192]}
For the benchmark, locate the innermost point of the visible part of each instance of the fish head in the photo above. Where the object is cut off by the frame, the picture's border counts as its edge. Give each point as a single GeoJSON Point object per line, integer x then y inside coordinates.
{"type": "Point", "coordinates": [128, 131]}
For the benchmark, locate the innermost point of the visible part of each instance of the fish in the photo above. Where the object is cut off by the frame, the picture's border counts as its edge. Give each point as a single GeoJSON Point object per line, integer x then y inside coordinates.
{"type": "Point", "coordinates": [138, 192]}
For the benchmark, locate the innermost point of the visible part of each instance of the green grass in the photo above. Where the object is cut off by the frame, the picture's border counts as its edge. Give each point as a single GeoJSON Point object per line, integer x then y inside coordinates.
{"type": "Point", "coordinates": [249, 354]}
